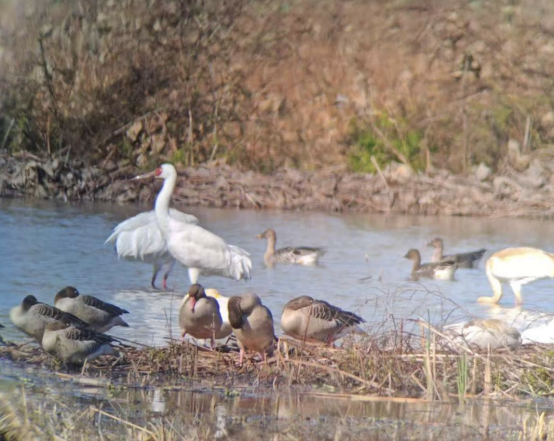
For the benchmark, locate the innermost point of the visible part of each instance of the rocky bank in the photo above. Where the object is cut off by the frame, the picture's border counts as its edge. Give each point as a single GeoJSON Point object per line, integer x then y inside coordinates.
{"type": "Point", "coordinates": [396, 189]}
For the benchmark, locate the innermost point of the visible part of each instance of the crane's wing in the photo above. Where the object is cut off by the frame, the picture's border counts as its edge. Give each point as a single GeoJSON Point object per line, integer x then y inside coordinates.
{"type": "Point", "coordinates": [140, 237]}
{"type": "Point", "coordinates": [196, 247]}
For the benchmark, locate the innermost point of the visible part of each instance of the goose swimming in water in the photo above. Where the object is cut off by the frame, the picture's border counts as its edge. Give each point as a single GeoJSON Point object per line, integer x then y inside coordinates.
{"type": "Point", "coordinates": [201, 251]}
{"type": "Point", "coordinates": [470, 259]}
{"type": "Point", "coordinates": [517, 267]}
{"type": "Point", "coordinates": [300, 255]}
{"type": "Point", "coordinates": [99, 315]}
{"type": "Point", "coordinates": [306, 318]}
{"type": "Point", "coordinates": [74, 345]}
{"type": "Point", "coordinates": [252, 324]}
{"type": "Point", "coordinates": [32, 317]}
{"type": "Point", "coordinates": [140, 238]}
{"type": "Point", "coordinates": [437, 270]}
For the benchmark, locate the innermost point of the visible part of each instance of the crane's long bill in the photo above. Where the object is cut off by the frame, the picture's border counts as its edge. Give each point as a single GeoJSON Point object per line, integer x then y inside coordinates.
{"type": "Point", "coordinates": [151, 174]}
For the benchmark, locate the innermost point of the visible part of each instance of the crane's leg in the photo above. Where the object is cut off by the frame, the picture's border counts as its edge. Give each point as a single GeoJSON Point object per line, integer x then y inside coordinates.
{"type": "Point", "coordinates": [241, 356]}
{"type": "Point", "coordinates": [194, 273]}
{"type": "Point", "coordinates": [167, 267]}
{"type": "Point", "coordinates": [156, 271]}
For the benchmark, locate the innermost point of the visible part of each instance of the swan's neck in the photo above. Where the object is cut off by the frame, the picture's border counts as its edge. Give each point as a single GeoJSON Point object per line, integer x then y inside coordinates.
{"type": "Point", "coordinates": [162, 203]}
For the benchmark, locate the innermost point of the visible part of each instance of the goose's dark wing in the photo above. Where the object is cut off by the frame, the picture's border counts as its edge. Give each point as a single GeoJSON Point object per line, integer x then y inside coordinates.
{"type": "Point", "coordinates": [57, 314]}
{"type": "Point", "coordinates": [111, 309]}
{"type": "Point", "coordinates": [325, 311]}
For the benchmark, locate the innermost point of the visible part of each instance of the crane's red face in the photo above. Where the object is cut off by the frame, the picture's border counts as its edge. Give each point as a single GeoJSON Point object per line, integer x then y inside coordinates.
{"type": "Point", "coordinates": [158, 172]}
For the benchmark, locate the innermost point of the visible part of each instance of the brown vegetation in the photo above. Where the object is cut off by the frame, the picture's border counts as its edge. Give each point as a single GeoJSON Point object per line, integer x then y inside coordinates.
{"type": "Point", "coordinates": [394, 363]}
{"type": "Point", "coordinates": [266, 84]}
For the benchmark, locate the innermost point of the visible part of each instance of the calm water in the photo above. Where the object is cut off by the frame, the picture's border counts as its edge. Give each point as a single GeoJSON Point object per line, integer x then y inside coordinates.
{"type": "Point", "coordinates": [48, 245]}
{"type": "Point", "coordinates": [198, 410]}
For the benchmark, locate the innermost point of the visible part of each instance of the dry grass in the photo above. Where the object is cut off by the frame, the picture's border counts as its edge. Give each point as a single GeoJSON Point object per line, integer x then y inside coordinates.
{"type": "Point", "coordinates": [268, 84]}
{"type": "Point", "coordinates": [396, 363]}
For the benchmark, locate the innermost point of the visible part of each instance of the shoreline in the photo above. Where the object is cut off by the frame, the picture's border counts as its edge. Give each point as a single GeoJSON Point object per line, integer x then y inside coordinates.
{"type": "Point", "coordinates": [395, 190]}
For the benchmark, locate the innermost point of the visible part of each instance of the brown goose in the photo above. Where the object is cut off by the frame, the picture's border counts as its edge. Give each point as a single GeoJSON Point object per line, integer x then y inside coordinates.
{"type": "Point", "coordinates": [307, 319]}
{"type": "Point", "coordinates": [32, 317]}
{"type": "Point", "coordinates": [199, 315]}
{"type": "Point", "coordinates": [300, 255]}
{"type": "Point", "coordinates": [73, 345]}
{"type": "Point", "coordinates": [470, 259]}
{"type": "Point", "coordinates": [99, 315]}
{"type": "Point", "coordinates": [252, 323]}
{"type": "Point", "coordinates": [437, 270]}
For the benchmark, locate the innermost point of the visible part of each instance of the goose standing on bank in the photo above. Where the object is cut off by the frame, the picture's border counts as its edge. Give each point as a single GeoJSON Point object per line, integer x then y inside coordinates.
{"type": "Point", "coordinates": [32, 317]}
{"type": "Point", "coordinates": [200, 317]}
{"type": "Point", "coordinates": [484, 334]}
{"type": "Point", "coordinates": [470, 259]}
{"type": "Point", "coordinates": [222, 301]}
{"type": "Point", "coordinates": [307, 319]}
{"type": "Point", "coordinates": [140, 238]}
{"type": "Point", "coordinates": [201, 251]}
{"type": "Point", "coordinates": [73, 345]}
{"type": "Point", "coordinates": [437, 270]}
{"type": "Point", "coordinates": [300, 255]}
{"type": "Point", "coordinates": [517, 267]}
{"type": "Point", "coordinates": [252, 324]}
{"type": "Point", "coordinates": [99, 315]}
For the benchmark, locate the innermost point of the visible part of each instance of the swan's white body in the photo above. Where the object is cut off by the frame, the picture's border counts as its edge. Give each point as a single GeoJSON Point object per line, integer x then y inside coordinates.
{"type": "Point", "coordinates": [201, 251]}
{"type": "Point", "coordinates": [484, 334]}
{"type": "Point", "coordinates": [539, 334]}
{"type": "Point", "coordinates": [516, 266]}
{"type": "Point", "coordinates": [140, 238]}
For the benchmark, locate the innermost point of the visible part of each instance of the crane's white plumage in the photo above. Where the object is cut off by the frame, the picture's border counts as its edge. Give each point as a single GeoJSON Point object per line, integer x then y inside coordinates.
{"type": "Point", "coordinates": [140, 238]}
{"type": "Point", "coordinates": [201, 251]}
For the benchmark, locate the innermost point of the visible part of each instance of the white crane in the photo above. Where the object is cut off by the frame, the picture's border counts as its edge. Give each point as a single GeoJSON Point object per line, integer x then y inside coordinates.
{"type": "Point", "coordinates": [140, 238]}
{"type": "Point", "coordinates": [201, 251]}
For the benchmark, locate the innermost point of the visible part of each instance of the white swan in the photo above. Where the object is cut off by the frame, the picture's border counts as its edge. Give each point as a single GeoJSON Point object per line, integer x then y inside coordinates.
{"type": "Point", "coordinates": [201, 251]}
{"type": "Point", "coordinates": [539, 334]}
{"type": "Point", "coordinates": [140, 238]}
{"type": "Point", "coordinates": [484, 334]}
{"type": "Point", "coordinates": [516, 266]}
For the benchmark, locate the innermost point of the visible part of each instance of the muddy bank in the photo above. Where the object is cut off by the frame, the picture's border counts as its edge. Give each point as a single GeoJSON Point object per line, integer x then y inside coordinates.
{"type": "Point", "coordinates": [396, 189]}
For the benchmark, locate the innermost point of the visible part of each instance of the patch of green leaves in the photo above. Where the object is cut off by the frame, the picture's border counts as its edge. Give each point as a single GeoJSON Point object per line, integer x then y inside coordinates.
{"type": "Point", "coordinates": [376, 140]}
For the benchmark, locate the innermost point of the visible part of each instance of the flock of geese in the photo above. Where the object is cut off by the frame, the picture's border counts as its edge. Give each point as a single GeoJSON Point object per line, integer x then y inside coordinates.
{"type": "Point", "coordinates": [73, 330]}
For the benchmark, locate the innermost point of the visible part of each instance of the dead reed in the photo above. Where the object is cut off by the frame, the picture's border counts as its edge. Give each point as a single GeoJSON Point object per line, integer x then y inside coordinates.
{"type": "Point", "coordinates": [397, 363]}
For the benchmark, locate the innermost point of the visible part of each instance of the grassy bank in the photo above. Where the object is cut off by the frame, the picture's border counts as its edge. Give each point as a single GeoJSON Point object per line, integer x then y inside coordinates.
{"type": "Point", "coordinates": [270, 84]}
{"type": "Point", "coordinates": [395, 364]}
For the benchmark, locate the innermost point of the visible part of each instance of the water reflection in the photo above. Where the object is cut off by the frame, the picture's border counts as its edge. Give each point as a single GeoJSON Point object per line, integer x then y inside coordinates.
{"type": "Point", "coordinates": [261, 414]}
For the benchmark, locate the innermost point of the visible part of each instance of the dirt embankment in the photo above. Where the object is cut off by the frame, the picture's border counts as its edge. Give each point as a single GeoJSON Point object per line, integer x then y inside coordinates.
{"type": "Point", "coordinates": [396, 189]}
{"type": "Point", "coordinates": [290, 100]}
